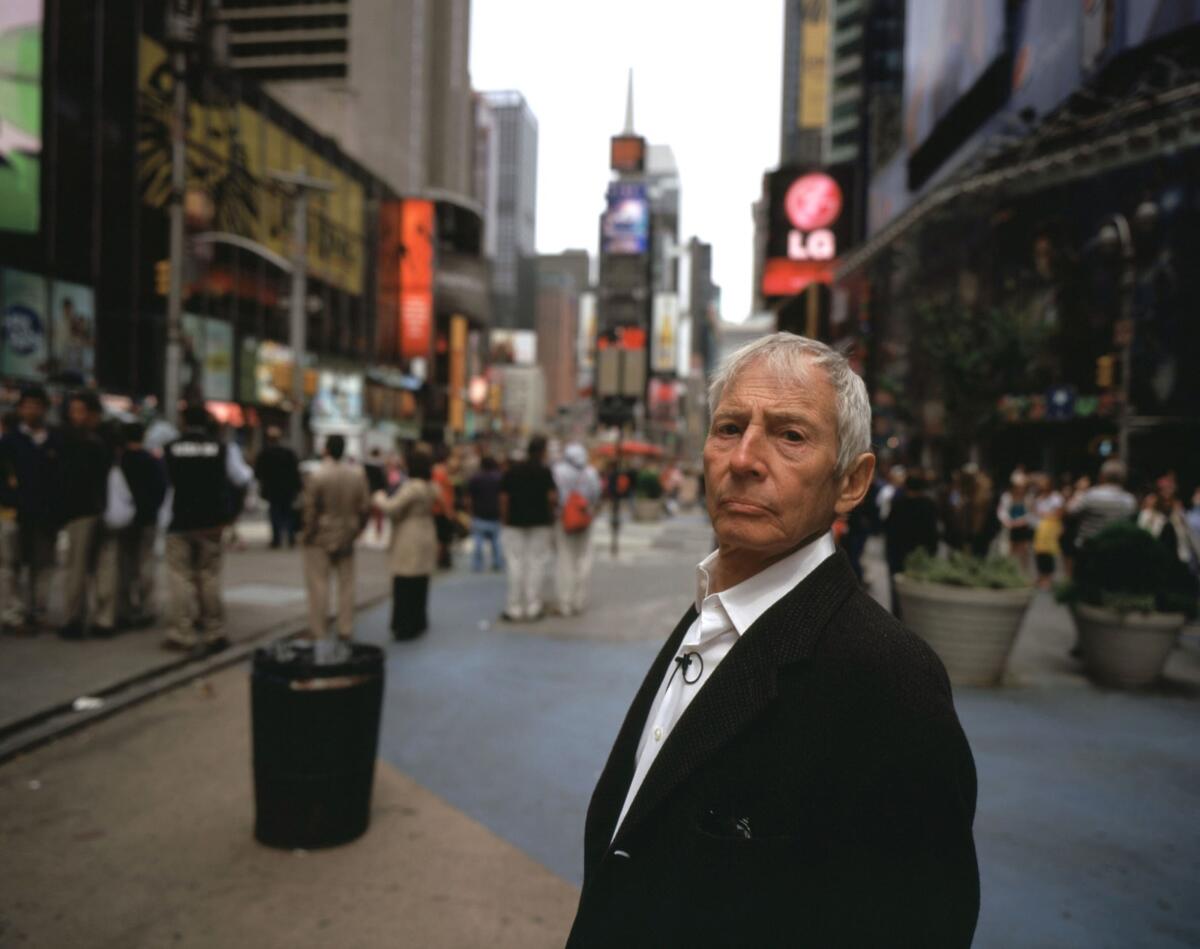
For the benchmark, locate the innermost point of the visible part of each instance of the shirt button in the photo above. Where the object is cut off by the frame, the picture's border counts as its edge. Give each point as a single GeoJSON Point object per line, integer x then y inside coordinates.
{"type": "Point", "coordinates": [658, 734]}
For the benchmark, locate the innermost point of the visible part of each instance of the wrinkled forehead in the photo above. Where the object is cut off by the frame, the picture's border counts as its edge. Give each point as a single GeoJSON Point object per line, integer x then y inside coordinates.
{"type": "Point", "coordinates": [778, 383]}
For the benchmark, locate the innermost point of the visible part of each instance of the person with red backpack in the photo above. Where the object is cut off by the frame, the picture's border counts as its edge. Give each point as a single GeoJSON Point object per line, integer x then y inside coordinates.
{"type": "Point", "coordinates": [579, 493]}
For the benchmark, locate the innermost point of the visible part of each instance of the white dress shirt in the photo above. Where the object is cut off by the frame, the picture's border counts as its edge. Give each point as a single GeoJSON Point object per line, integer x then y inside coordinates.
{"type": "Point", "coordinates": [723, 619]}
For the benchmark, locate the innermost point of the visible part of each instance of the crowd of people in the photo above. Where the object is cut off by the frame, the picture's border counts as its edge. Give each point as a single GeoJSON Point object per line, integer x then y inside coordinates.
{"type": "Point", "coordinates": [1039, 520]}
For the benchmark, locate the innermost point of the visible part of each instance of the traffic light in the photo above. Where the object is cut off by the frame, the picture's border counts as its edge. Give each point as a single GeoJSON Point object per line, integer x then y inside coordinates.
{"type": "Point", "coordinates": [1104, 370]}
{"type": "Point", "coordinates": [162, 277]}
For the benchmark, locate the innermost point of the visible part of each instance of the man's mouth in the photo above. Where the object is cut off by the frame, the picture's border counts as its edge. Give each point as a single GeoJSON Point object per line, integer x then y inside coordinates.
{"type": "Point", "coordinates": [743, 505]}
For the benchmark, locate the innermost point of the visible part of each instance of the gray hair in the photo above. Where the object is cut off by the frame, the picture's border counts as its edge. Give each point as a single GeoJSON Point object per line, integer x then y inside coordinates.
{"type": "Point", "coordinates": [790, 355]}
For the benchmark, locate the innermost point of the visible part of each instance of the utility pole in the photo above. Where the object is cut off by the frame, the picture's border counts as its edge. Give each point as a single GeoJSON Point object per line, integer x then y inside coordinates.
{"type": "Point", "coordinates": [171, 381]}
{"type": "Point", "coordinates": [299, 184]}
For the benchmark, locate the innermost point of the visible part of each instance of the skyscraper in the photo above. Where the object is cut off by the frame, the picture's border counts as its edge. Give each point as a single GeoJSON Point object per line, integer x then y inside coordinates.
{"type": "Point", "coordinates": [805, 81]}
{"type": "Point", "coordinates": [387, 79]}
{"type": "Point", "coordinates": [513, 277]}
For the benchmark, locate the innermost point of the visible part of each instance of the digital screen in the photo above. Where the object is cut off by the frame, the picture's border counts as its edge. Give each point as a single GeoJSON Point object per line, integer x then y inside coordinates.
{"type": "Point", "coordinates": [628, 153]}
{"type": "Point", "coordinates": [20, 115]}
{"type": "Point", "coordinates": [627, 220]}
{"type": "Point", "coordinates": [948, 45]}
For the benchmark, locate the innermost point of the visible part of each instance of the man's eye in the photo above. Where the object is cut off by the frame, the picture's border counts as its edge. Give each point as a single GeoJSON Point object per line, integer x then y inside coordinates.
{"type": "Point", "coordinates": [727, 428]}
{"type": "Point", "coordinates": [793, 436]}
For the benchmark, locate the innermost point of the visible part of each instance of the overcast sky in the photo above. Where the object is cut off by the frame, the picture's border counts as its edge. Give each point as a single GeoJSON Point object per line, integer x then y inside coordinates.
{"type": "Point", "coordinates": [706, 82]}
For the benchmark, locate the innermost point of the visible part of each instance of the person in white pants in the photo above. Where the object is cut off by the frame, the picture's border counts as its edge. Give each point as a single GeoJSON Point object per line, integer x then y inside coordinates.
{"type": "Point", "coordinates": [527, 503]}
{"type": "Point", "coordinates": [578, 487]}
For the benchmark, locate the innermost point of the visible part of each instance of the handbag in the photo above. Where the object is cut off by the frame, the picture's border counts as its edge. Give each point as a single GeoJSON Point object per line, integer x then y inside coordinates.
{"type": "Point", "coordinates": [119, 509]}
{"type": "Point", "coordinates": [576, 512]}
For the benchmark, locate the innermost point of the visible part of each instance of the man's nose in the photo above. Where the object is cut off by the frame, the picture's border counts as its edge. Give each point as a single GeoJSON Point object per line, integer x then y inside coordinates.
{"type": "Point", "coordinates": [747, 457]}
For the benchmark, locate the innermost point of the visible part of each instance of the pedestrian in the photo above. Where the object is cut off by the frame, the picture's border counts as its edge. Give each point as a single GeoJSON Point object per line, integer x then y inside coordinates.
{"type": "Point", "coordinates": [912, 526]}
{"type": "Point", "coordinates": [483, 504]}
{"type": "Point", "coordinates": [894, 483]}
{"type": "Point", "coordinates": [116, 517]}
{"type": "Point", "coordinates": [203, 475]}
{"type": "Point", "coordinates": [35, 453]}
{"type": "Point", "coordinates": [1095, 507]}
{"type": "Point", "coordinates": [278, 472]}
{"type": "Point", "coordinates": [413, 554]}
{"type": "Point", "coordinates": [577, 485]}
{"type": "Point", "coordinates": [1047, 535]}
{"type": "Point", "coordinates": [85, 464]}
{"type": "Point", "coordinates": [147, 479]}
{"type": "Point", "coordinates": [12, 615]}
{"type": "Point", "coordinates": [376, 481]}
{"type": "Point", "coordinates": [236, 493]}
{"type": "Point", "coordinates": [444, 513]}
{"type": "Point", "coordinates": [337, 502]}
{"type": "Point", "coordinates": [1015, 513]}
{"type": "Point", "coordinates": [792, 770]}
{"type": "Point", "coordinates": [527, 502]}
{"type": "Point", "coordinates": [1162, 516]}
{"type": "Point", "coordinates": [1193, 522]}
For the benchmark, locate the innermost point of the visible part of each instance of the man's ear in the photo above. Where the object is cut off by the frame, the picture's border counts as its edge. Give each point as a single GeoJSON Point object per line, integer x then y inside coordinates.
{"type": "Point", "coordinates": [854, 484]}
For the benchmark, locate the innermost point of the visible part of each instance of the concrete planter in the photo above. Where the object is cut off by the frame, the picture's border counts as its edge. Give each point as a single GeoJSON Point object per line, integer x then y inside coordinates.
{"type": "Point", "coordinates": [971, 629]}
{"type": "Point", "coordinates": [1125, 651]}
{"type": "Point", "coordinates": [647, 509]}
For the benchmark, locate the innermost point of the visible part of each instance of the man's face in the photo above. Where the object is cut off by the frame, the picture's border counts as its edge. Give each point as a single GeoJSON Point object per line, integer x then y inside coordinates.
{"type": "Point", "coordinates": [77, 413]}
{"type": "Point", "coordinates": [32, 412]}
{"type": "Point", "coordinates": [769, 462]}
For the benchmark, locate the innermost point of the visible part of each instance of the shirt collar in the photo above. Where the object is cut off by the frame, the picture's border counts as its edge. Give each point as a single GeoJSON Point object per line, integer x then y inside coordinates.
{"type": "Point", "coordinates": [745, 603]}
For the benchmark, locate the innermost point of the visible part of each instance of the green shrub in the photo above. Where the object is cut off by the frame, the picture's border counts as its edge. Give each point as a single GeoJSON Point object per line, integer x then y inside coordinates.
{"type": "Point", "coordinates": [648, 484]}
{"type": "Point", "coordinates": [959, 569]}
{"type": "Point", "coordinates": [1124, 568]}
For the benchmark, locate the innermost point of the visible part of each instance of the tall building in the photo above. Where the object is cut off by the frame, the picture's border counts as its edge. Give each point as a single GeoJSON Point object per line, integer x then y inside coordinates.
{"type": "Point", "coordinates": [485, 183]}
{"type": "Point", "coordinates": [805, 81]}
{"type": "Point", "coordinates": [387, 79]}
{"type": "Point", "coordinates": [513, 277]}
{"type": "Point", "coordinates": [561, 280]}
{"type": "Point", "coordinates": [846, 73]}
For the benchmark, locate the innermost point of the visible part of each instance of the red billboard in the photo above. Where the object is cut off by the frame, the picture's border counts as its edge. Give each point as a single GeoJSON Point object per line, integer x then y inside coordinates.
{"type": "Point", "coordinates": [416, 278]}
{"type": "Point", "coordinates": [808, 222]}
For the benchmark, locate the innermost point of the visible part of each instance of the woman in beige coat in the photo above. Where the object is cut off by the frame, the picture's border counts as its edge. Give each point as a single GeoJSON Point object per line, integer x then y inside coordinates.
{"type": "Point", "coordinates": [414, 545]}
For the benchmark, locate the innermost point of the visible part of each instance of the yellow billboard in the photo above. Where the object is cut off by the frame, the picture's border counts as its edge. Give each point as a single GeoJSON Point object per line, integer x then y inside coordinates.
{"type": "Point", "coordinates": [814, 74]}
{"type": "Point", "coordinates": [231, 150]}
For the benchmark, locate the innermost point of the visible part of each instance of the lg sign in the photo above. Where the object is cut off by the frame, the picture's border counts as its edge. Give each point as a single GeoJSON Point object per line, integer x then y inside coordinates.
{"type": "Point", "coordinates": [813, 203]}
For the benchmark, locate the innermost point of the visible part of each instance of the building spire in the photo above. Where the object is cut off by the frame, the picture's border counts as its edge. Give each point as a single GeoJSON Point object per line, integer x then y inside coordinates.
{"type": "Point", "coordinates": [629, 106]}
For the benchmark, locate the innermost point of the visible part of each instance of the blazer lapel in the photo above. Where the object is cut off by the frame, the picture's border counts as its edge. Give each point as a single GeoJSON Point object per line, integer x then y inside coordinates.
{"type": "Point", "coordinates": [609, 796]}
{"type": "Point", "coordinates": [744, 683]}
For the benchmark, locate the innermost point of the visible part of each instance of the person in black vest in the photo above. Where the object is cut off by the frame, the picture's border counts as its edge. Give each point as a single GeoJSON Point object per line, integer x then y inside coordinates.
{"type": "Point", "coordinates": [147, 480]}
{"type": "Point", "coordinates": [85, 463]}
{"type": "Point", "coordinates": [35, 452]}
{"type": "Point", "coordinates": [278, 473]}
{"type": "Point", "coordinates": [203, 475]}
{"type": "Point", "coordinates": [912, 525]}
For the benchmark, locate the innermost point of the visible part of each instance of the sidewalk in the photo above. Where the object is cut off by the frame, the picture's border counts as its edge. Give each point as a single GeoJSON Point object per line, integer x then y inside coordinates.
{"type": "Point", "coordinates": [139, 832]}
{"type": "Point", "coordinates": [264, 593]}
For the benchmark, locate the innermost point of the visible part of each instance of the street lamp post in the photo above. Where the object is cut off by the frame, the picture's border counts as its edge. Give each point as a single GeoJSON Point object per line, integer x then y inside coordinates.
{"type": "Point", "coordinates": [1118, 235]}
{"type": "Point", "coordinates": [299, 184]}
{"type": "Point", "coordinates": [171, 376]}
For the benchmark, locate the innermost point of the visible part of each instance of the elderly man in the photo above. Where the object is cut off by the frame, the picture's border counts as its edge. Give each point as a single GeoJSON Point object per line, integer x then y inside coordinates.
{"type": "Point", "coordinates": [337, 503]}
{"type": "Point", "coordinates": [792, 771]}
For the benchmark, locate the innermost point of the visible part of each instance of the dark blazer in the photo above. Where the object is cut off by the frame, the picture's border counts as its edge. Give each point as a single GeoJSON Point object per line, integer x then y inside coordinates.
{"type": "Point", "coordinates": [818, 791]}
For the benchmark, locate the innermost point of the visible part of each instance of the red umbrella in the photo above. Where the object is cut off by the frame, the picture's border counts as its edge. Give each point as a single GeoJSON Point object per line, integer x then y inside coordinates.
{"type": "Point", "coordinates": [608, 449]}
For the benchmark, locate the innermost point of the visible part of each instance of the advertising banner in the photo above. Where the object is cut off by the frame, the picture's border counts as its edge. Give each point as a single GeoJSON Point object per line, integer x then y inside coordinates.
{"type": "Point", "coordinates": [20, 115]}
{"type": "Point", "coordinates": [74, 338]}
{"type": "Point", "coordinates": [207, 361]}
{"type": "Point", "coordinates": [24, 325]}
{"type": "Point", "coordinates": [416, 279]}
{"type": "Point", "coordinates": [665, 338]}
{"type": "Point", "coordinates": [626, 228]}
{"type": "Point", "coordinates": [339, 398]}
{"type": "Point", "coordinates": [232, 148]}
{"type": "Point", "coordinates": [808, 220]}
{"type": "Point", "coordinates": [586, 355]}
{"type": "Point", "coordinates": [948, 45]}
{"type": "Point", "coordinates": [814, 83]}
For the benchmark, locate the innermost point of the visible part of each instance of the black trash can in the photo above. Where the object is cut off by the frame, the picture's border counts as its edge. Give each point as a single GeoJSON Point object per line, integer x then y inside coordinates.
{"type": "Point", "coordinates": [316, 731]}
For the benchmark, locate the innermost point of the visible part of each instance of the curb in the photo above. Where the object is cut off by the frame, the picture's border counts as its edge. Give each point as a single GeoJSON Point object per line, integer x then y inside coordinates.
{"type": "Point", "coordinates": [43, 727]}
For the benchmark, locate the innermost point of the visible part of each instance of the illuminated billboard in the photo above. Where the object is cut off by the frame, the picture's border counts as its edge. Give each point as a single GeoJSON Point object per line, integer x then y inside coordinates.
{"type": "Point", "coordinates": [948, 46]}
{"type": "Point", "coordinates": [628, 153]}
{"type": "Point", "coordinates": [20, 115]}
{"type": "Point", "coordinates": [416, 278]}
{"type": "Point", "coordinates": [627, 219]}
{"type": "Point", "coordinates": [808, 221]}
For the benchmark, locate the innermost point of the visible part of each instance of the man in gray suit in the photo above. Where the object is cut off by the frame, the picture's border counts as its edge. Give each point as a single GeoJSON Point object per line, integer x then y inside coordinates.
{"type": "Point", "coordinates": [336, 504]}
